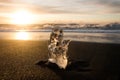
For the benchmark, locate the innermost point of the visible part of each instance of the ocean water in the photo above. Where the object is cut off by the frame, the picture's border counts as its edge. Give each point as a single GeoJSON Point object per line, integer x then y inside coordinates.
{"type": "Point", "coordinates": [85, 36]}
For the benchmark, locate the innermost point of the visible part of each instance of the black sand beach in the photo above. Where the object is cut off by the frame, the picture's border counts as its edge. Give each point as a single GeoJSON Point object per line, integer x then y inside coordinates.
{"type": "Point", "coordinates": [99, 61]}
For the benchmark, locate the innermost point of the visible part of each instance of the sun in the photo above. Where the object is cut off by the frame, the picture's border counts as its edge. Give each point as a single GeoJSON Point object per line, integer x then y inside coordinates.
{"type": "Point", "coordinates": [22, 17]}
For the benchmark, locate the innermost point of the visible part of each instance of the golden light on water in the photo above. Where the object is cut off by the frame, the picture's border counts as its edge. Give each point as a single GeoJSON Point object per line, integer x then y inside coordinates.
{"type": "Point", "coordinates": [22, 17]}
{"type": "Point", "coordinates": [22, 35]}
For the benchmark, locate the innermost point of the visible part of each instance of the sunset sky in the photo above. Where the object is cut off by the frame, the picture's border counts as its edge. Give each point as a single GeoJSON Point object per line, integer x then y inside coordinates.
{"type": "Point", "coordinates": [63, 11]}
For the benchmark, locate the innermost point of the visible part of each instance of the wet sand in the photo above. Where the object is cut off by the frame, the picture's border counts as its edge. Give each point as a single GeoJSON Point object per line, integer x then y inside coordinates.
{"type": "Point", "coordinates": [98, 61]}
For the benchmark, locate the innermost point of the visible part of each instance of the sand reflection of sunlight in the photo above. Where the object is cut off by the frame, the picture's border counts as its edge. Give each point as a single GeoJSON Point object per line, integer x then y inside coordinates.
{"type": "Point", "coordinates": [22, 35]}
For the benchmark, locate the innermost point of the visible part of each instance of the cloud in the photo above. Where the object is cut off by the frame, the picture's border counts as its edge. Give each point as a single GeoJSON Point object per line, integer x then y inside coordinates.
{"type": "Point", "coordinates": [107, 6]}
{"type": "Point", "coordinates": [112, 5]}
{"type": "Point", "coordinates": [64, 10]}
{"type": "Point", "coordinates": [78, 6]}
{"type": "Point", "coordinates": [65, 6]}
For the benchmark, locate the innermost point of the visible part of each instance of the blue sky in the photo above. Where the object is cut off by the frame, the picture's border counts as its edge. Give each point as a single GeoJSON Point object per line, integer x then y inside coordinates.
{"type": "Point", "coordinates": [83, 11]}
